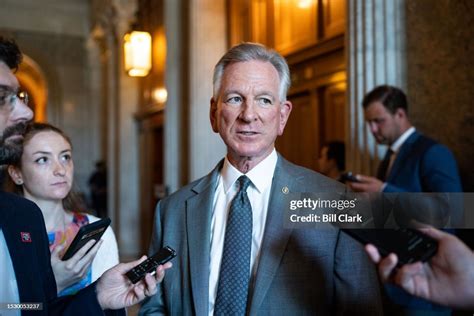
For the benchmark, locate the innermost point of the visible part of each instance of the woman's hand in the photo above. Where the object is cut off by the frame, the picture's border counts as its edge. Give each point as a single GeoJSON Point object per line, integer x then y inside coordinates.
{"type": "Point", "coordinates": [74, 269]}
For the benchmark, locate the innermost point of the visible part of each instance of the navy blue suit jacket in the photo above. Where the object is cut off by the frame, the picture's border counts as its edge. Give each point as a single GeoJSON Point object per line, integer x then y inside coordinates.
{"type": "Point", "coordinates": [31, 261]}
{"type": "Point", "coordinates": [423, 165]}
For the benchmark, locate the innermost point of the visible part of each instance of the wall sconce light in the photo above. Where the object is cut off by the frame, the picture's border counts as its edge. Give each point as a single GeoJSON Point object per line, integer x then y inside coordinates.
{"type": "Point", "coordinates": [160, 95]}
{"type": "Point", "coordinates": [304, 4]}
{"type": "Point", "coordinates": [137, 53]}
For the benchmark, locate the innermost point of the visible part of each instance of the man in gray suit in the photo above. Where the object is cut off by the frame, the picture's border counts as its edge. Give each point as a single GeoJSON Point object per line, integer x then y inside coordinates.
{"type": "Point", "coordinates": [230, 264]}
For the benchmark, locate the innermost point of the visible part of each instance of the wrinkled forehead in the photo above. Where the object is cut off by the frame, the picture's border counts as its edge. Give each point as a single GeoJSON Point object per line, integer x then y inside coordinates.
{"type": "Point", "coordinates": [253, 73]}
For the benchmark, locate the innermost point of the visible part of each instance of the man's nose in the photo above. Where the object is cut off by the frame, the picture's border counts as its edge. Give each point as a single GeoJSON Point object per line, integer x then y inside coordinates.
{"type": "Point", "coordinates": [248, 113]}
{"type": "Point", "coordinates": [22, 112]}
{"type": "Point", "coordinates": [373, 127]}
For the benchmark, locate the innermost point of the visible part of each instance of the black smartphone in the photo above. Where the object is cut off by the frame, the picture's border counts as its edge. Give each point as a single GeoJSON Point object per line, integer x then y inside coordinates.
{"type": "Point", "coordinates": [349, 176]}
{"type": "Point", "coordinates": [88, 232]}
{"type": "Point", "coordinates": [149, 265]}
{"type": "Point", "coordinates": [409, 245]}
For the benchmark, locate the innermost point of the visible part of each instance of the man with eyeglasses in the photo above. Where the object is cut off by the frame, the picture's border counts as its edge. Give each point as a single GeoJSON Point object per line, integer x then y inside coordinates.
{"type": "Point", "coordinates": [9, 95]}
{"type": "Point", "coordinates": [14, 111]}
{"type": "Point", "coordinates": [27, 283]}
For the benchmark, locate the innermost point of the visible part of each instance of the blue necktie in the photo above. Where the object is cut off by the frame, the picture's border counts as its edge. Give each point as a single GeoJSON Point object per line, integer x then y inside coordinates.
{"type": "Point", "coordinates": [234, 275]}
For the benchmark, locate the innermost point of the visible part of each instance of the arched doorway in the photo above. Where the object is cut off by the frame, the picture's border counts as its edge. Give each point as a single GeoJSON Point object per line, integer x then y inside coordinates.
{"type": "Point", "coordinates": [33, 81]}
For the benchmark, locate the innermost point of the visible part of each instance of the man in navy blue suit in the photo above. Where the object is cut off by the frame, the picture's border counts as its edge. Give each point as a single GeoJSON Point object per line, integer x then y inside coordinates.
{"type": "Point", "coordinates": [26, 275]}
{"type": "Point", "coordinates": [413, 162]}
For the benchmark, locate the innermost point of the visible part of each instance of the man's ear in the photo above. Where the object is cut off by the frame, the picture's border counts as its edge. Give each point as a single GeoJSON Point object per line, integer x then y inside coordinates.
{"type": "Point", "coordinates": [15, 174]}
{"type": "Point", "coordinates": [401, 113]}
{"type": "Point", "coordinates": [285, 110]}
{"type": "Point", "coordinates": [213, 115]}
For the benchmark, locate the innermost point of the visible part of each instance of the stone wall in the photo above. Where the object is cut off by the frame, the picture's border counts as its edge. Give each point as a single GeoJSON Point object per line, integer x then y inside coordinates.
{"type": "Point", "coordinates": [440, 60]}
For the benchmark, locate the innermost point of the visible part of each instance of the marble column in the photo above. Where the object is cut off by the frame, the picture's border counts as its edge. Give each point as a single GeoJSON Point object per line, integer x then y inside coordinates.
{"type": "Point", "coordinates": [207, 43]}
{"type": "Point", "coordinates": [120, 102]}
{"type": "Point", "coordinates": [126, 138]}
{"type": "Point", "coordinates": [174, 79]}
{"type": "Point", "coordinates": [376, 55]}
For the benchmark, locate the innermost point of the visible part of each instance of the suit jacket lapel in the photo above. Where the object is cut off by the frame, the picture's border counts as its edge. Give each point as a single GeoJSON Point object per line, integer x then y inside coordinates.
{"type": "Point", "coordinates": [21, 252]}
{"type": "Point", "coordinates": [198, 224]}
{"type": "Point", "coordinates": [402, 155]}
{"type": "Point", "coordinates": [276, 236]}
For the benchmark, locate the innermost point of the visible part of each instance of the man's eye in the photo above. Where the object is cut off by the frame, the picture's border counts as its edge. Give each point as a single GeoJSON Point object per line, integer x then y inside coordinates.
{"type": "Point", "coordinates": [265, 102]}
{"type": "Point", "coordinates": [234, 100]}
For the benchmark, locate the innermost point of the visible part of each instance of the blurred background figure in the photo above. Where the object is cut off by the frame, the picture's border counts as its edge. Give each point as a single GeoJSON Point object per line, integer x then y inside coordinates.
{"type": "Point", "coordinates": [413, 162]}
{"type": "Point", "coordinates": [44, 174]}
{"type": "Point", "coordinates": [98, 189]}
{"type": "Point", "coordinates": [332, 161]}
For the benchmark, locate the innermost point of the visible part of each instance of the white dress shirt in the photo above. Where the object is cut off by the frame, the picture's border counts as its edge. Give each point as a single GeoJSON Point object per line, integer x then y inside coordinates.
{"type": "Point", "coordinates": [395, 147]}
{"type": "Point", "coordinates": [259, 194]}
{"type": "Point", "coordinates": [8, 285]}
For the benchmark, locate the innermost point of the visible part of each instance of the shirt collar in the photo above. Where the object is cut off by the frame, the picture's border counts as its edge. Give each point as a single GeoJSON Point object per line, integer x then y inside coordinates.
{"type": "Point", "coordinates": [261, 175]}
{"type": "Point", "coordinates": [399, 142]}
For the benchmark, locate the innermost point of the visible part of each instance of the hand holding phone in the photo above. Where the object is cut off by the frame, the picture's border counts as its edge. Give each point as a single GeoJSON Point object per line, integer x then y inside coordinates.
{"type": "Point", "coordinates": [409, 245]}
{"type": "Point", "coordinates": [92, 231]}
{"type": "Point", "coordinates": [149, 265]}
{"type": "Point", "coordinates": [74, 269]}
{"type": "Point", "coordinates": [349, 176]}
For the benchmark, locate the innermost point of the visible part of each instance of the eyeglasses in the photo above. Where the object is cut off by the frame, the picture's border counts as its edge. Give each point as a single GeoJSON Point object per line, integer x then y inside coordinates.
{"type": "Point", "coordinates": [11, 96]}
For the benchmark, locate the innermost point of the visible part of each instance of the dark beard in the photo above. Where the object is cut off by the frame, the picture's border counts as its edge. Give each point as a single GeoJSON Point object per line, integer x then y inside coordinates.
{"type": "Point", "coordinates": [10, 151]}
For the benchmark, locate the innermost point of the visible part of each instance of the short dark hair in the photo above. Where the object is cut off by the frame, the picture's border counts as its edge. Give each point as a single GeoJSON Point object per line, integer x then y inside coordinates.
{"type": "Point", "coordinates": [10, 54]}
{"type": "Point", "coordinates": [337, 151]}
{"type": "Point", "coordinates": [391, 97]}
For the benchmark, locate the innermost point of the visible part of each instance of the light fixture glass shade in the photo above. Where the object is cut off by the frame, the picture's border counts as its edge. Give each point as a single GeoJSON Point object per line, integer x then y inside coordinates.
{"type": "Point", "coordinates": [304, 4]}
{"type": "Point", "coordinates": [137, 53]}
{"type": "Point", "coordinates": [160, 95]}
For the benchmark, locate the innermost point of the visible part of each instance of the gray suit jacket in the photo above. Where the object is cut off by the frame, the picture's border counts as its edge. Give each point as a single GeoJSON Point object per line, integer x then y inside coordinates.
{"type": "Point", "coordinates": [300, 271]}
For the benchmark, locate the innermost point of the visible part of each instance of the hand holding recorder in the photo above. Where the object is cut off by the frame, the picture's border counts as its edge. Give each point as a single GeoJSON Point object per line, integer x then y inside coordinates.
{"type": "Point", "coordinates": [447, 279]}
{"type": "Point", "coordinates": [127, 284]}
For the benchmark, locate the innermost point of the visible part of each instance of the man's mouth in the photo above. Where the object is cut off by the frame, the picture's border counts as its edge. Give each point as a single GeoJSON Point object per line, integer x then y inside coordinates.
{"type": "Point", "coordinates": [247, 133]}
{"type": "Point", "coordinates": [15, 131]}
{"type": "Point", "coordinates": [14, 139]}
